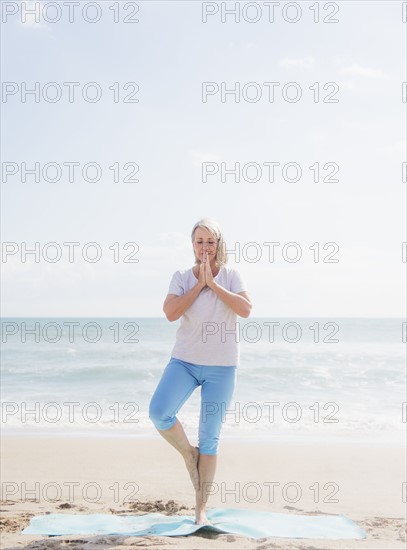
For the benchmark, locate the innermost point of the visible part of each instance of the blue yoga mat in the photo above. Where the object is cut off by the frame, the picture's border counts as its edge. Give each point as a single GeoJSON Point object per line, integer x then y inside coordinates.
{"type": "Point", "coordinates": [249, 523]}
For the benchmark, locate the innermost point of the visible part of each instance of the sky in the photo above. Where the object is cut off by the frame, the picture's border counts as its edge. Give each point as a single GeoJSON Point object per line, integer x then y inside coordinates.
{"type": "Point", "coordinates": [138, 185]}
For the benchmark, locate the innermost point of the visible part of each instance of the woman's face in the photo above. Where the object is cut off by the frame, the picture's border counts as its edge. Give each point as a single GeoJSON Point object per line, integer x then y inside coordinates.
{"type": "Point", "coordinates": [204, 241]}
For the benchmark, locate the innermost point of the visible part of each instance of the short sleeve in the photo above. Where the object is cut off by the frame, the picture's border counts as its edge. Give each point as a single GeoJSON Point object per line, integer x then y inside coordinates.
{"type": "Point", "coordinates": [176, 286]}
{"type": "Point", "coordinates": [237, 282]}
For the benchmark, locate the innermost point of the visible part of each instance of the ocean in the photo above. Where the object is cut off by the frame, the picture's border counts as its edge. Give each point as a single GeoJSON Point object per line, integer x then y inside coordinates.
{"type": "Point", "coordinates": [309, 379]}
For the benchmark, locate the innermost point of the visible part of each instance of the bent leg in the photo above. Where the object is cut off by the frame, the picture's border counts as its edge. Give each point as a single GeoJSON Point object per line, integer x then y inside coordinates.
{"type": "Point", "coordinates": [176, 385]}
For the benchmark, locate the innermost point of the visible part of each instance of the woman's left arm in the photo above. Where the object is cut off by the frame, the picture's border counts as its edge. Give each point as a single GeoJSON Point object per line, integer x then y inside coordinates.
{"type": "Point", "coordinates": [240, 303]}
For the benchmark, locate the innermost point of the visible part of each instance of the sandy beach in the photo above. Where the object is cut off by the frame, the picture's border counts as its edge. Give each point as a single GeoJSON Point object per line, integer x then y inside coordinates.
{"type": "Point", "coordinates": [43, 475]}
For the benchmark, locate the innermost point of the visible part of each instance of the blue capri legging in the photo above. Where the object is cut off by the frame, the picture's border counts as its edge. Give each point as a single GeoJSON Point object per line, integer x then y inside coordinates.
{"type": "Point", "coordinates": [177, 383]}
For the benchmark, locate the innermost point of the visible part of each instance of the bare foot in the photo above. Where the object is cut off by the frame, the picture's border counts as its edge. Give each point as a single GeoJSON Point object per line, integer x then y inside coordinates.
{"type": "Point", "coordinates": [201, 519]}
{"type": "Point", "coordinates": [191, 461]}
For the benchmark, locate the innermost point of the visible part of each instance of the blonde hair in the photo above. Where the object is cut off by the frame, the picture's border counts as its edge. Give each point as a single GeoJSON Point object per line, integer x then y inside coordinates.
{"type": "Point", "coordinates": [210, 225]}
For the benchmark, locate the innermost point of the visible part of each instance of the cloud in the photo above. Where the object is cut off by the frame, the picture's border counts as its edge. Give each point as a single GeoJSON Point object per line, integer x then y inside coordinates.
{"type": "Point", "coordinates": [315, 136]}
{"type": "Point", "coordinates": [32, 18]}
{"type": "Point", "coordinates": [303, 62]}
{"type": "Point", "coordinates": [345, 84]}
{"type": "Point", "coordinates": [399, 146]}
{"type": "Point", "coordinates": [171, 236]}
{"type": "Point", "coordinates": [366, 72]}
{"type": "Point", "coordinates": [198, 157]}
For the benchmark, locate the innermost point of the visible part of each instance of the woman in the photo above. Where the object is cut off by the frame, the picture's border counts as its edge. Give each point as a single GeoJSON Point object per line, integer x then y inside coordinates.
{"type": "Point", "coordinates": [208, 297]}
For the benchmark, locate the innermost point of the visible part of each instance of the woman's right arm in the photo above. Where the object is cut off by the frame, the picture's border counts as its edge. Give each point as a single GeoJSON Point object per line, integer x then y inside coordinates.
{"type": "Point", "coordinates": [174, 306]}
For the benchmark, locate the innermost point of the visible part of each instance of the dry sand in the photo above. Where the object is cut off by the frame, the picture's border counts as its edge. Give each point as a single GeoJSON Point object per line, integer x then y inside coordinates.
{"type": "Point", "coordinates": [91, 474]}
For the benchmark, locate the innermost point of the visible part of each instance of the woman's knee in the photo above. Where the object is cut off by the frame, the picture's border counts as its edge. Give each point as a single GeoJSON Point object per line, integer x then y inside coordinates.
{"type": "Point", "coordinates": [159, 417]}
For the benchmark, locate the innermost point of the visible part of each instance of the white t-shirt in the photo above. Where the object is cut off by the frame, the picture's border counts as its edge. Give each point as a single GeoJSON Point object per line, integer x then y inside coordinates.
{"type": "Point", "coordinates": [202, 337]}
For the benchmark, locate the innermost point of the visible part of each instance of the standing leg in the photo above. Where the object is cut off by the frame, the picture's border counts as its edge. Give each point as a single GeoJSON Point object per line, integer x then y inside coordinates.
{"type": "Point", "coordinates": [176, 385]}
{"type": "Point", "coordinates": [206, 470]}
{"type": "Point", "coordinates": [216, 395]}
